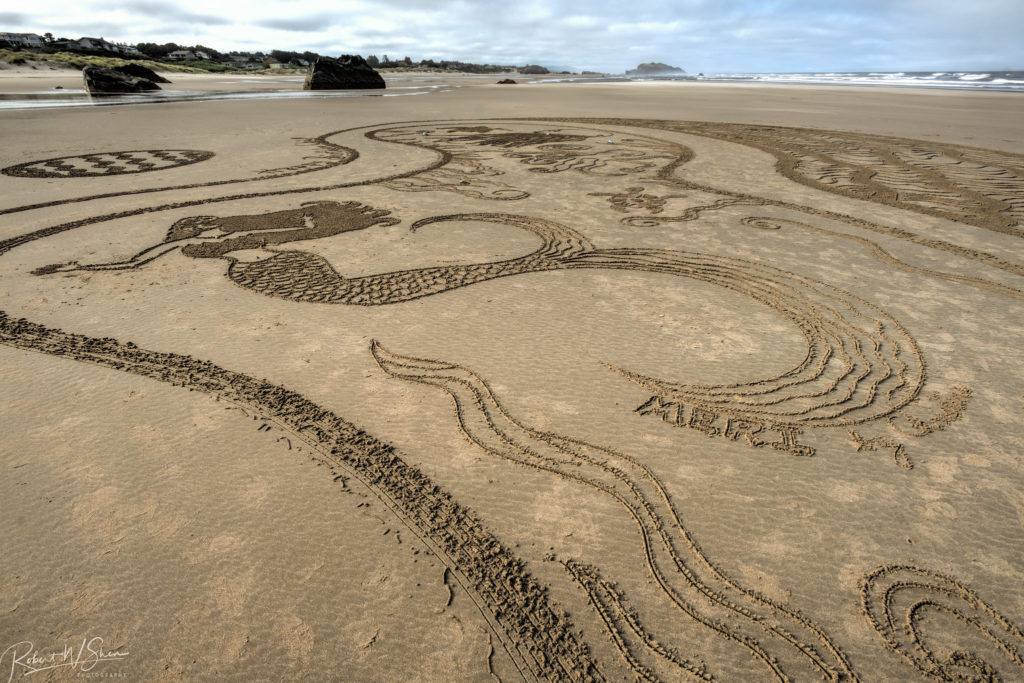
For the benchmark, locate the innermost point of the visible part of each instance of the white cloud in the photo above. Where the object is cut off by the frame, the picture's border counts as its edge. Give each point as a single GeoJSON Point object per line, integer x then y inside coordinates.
{"type": "Point", "coordinates": [698, 35]}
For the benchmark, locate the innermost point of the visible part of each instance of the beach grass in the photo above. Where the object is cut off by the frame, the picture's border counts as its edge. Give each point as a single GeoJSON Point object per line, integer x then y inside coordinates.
{"type": "Point", "coordinates": [73, 60]}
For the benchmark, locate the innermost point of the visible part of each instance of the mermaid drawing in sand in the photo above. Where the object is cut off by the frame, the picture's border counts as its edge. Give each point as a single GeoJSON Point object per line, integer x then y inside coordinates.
{"type": "Point", "coordinates": [861, 364]}
{"type": "Point", "coordinates": [217, 237]}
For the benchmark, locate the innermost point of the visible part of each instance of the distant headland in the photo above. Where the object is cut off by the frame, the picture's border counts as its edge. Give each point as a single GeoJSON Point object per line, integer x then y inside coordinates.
{"type": "Point", "coordinates": [655, 69]}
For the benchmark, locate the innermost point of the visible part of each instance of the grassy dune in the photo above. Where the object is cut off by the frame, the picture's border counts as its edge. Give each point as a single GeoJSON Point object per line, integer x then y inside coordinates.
{"type": "Point", "coordinates": [73, 60]}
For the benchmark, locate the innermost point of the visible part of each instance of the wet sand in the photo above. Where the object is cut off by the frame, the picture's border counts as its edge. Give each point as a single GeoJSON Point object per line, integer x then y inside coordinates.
{"type": "Point", "coordinates": [545, 381]}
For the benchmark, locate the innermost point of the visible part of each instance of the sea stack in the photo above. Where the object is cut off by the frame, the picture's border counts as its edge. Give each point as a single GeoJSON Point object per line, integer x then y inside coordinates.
{"type": "Point", "coordinates": [655, 69]}
{"type": "Point", "coordinates": [139, 71]}
{"type": "Point", "coordinates": [347, 72]}
{"type": "Point", "coordinates": [102, 81]}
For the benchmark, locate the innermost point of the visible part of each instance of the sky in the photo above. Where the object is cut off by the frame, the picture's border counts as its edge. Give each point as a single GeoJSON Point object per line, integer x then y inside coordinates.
{"type": "Point", "coordinates": [709, 36]}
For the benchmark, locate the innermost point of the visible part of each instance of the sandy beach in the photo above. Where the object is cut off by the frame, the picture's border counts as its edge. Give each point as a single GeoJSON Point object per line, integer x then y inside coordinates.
{"type": "Point", "coordinates": [552, 381]}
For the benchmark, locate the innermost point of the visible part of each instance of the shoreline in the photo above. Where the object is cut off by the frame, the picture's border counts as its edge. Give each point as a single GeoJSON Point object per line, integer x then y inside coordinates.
{"type": "Point", "coordinates": [903, 112]}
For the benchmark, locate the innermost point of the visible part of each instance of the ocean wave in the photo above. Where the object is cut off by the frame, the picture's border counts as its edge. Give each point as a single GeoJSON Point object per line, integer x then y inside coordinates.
{"type": "Point", "coordinates": [962, 80]}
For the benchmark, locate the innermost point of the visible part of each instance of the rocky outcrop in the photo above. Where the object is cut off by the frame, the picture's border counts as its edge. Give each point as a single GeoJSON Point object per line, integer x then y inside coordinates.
{"type": "Point", "coordinates": [655, 69]}
{"type": "Point", "coordinates": [347, 72]}
{"type": "Point", "coordinates": [139, 71]}
{"type": "Point", "coordinates": [506, 81]}
{"type": "Point", "coordinates": [103, 81]}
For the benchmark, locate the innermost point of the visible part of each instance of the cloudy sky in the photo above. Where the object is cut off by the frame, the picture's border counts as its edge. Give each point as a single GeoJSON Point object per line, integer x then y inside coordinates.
{"type": "Point", "coordinates": [711, 36]}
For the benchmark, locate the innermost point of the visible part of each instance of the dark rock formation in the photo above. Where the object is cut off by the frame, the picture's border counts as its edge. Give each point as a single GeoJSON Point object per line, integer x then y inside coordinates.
{"type": "Point", "coordinates": [348, 72]}
{"type": "Point", "coordinates": [533, 69]}
{"type": "Point", "coordinates": [102, 81]}
{"type": "Point", "coordinates": [655, 69]}
{"type": "Point", "coordinates": [139, 71]}
{"type": "Point", "coordinates": [506, 81]}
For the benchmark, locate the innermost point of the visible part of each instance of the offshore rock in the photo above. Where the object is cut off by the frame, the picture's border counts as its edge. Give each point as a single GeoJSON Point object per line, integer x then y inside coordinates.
{"type": "Point", "coordinates": [348, 72]}
{"type": "Point", "coordinates": [139, 71]}
{"type": "Point", "coordinates": [655, 69]}
{"type": "Point", "coordinates": [103, 81]}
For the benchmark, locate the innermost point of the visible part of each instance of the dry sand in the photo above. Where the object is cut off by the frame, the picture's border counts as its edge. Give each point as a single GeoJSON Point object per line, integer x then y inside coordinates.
{"type": "Point", "coordinates": [569, 382]}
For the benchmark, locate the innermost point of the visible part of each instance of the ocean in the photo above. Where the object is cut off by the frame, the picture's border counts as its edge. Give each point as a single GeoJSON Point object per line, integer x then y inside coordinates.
{"type": "Point", "coordinates": [961, 80]}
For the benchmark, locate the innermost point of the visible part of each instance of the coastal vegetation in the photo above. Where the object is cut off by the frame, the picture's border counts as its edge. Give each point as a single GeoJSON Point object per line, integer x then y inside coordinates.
{"type": "Point", "coordinates": [77, 60]}
{"type": "Point", "coordinates": [64, 53]}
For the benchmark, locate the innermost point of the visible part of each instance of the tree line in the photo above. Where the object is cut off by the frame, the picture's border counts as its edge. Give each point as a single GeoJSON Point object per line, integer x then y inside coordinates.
{"type": "Point", "coordinates": [159, 51]}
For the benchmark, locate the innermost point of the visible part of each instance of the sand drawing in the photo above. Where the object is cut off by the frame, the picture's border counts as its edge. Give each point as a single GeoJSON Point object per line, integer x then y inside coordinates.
{"type": "Point", "coordinates": [108, 163]}
{"type": "Point", "coordinates": [538, 637]}
{"type": "Point", "coordinates": [948, 409]}
{"type": "Point", "coordinates": [861, 365]}
{"type": "Point", "coordinates": [860, 370]}
{"type": "Point", "coordinates": [638, 648]}
{"type": "Point", "coordinates": [587, 150]}
{"type": "Point", "coordinates": [327, 155]}
{"type": "Point", "coordinates": [974, 186]}
{"type": "Point", "coordinates": [884, 257]}
{"type": "Point", "coordinates": [903, 603]}
{"type": "Point", "coordinates": [786, 643]}
{"type": "Point", "coordinates": [464, 172]}
{"type": "Point", "coordinates": [899, 453]}
{"type": "Point", "coordinates": [214, 237]}
{"type": "Point", "coordinates": [636, 198]}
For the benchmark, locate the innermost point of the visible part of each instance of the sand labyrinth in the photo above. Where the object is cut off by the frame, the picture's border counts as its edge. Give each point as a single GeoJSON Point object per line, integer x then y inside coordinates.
{"type": "Point", "coordinates": [612, 201]}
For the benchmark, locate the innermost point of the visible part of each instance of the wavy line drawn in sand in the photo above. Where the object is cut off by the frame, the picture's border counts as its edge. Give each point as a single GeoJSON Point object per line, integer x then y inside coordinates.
{"type": "Point", "coordinates": [784, 642]}
{"type": "Point", "coordinates": [649, 659]}
{"type": "Point", "coordinates": [108, 163]}
{"type": "Point", "coordinates": [540, 639]}
{"type": "Point", "coordinates": [326, 155]}
{"type": "Point", "coordinates": [906, 605]}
